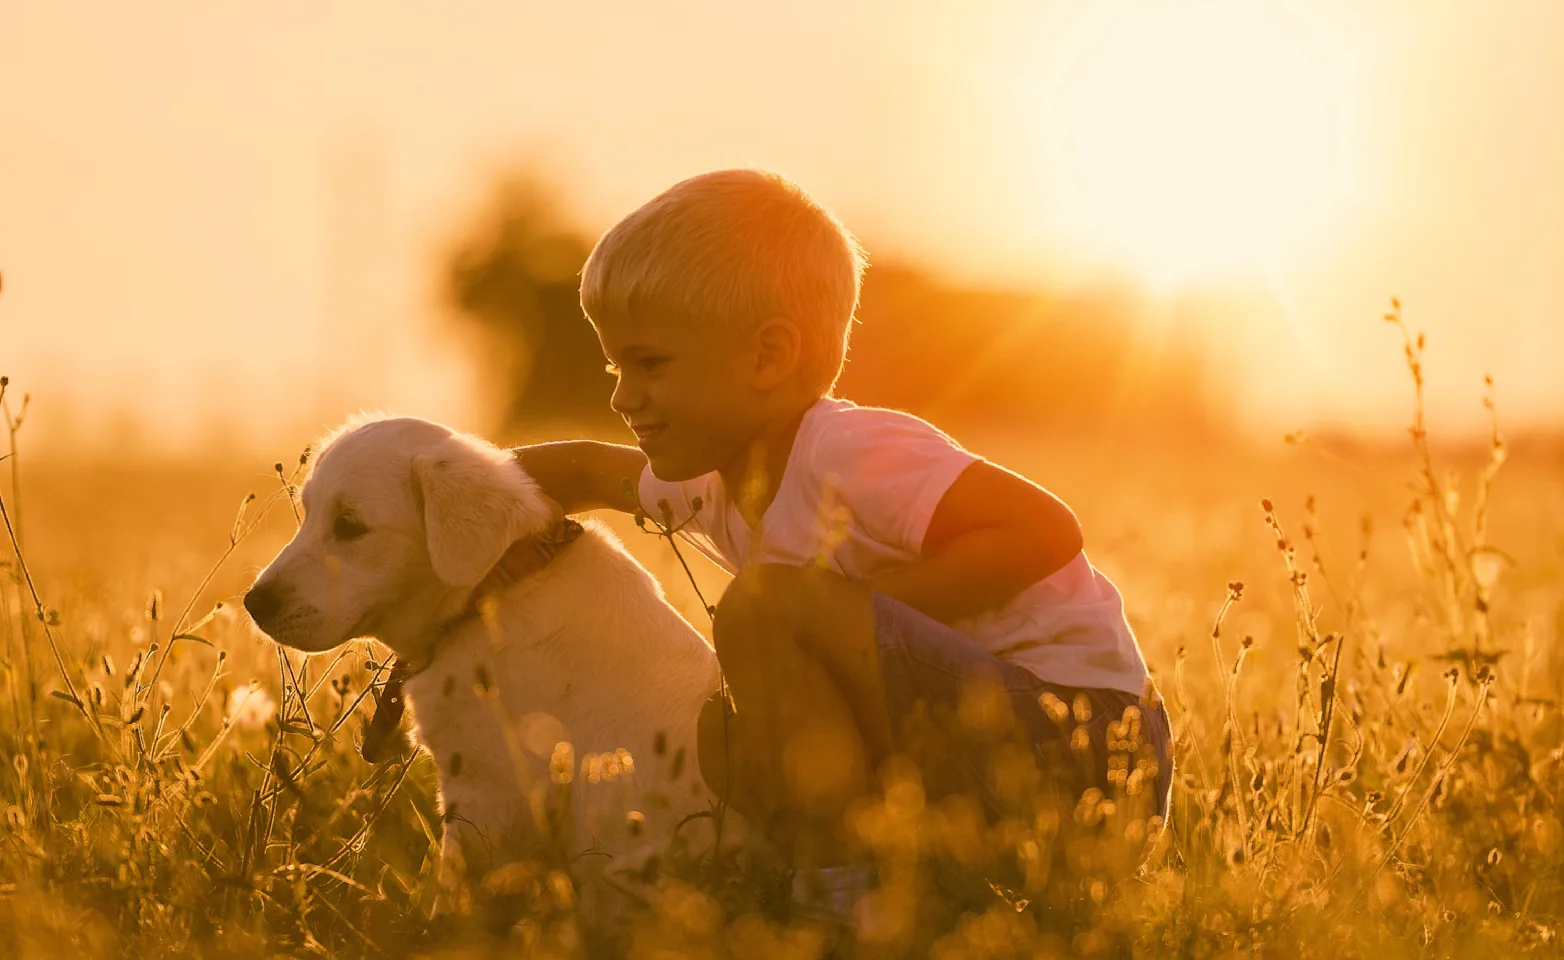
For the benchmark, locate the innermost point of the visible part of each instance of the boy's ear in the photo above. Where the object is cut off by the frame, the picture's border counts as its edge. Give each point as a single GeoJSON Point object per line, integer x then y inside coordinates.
{"type": "Point", "coordinates": [778, 348]}
{"type": "Point", "coordinates": [477, 501]}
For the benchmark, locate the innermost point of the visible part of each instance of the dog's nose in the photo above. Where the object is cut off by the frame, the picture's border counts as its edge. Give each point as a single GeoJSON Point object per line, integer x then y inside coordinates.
{"type": "Point", "coordinates": [263, 603]}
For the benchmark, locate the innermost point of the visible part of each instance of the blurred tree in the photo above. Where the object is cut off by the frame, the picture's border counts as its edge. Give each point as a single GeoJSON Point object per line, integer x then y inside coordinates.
{"type": "Point", "coordinates": [958, 354]}
{"type": "Point", "coordinates": [515, 277]}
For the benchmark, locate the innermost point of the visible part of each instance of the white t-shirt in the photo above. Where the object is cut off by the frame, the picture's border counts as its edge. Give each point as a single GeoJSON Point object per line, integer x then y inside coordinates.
{"type": "Point", "coordinates": [859, 489]}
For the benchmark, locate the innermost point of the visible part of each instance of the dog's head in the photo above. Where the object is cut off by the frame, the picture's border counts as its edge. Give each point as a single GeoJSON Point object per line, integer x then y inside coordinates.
{"type": "Point", "coordinates": [402, 519]}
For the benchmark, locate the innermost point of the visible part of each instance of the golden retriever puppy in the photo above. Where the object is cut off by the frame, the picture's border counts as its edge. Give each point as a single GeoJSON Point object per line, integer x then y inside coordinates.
{"type": "Point", "coordinates": [534, 651]}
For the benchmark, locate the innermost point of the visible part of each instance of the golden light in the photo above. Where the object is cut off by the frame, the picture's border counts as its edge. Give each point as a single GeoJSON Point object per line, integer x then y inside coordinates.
{"type": "Point", "coordinates": [1195, 142]}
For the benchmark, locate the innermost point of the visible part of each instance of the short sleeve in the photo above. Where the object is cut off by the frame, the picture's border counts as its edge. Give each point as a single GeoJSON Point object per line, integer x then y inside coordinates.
{"type": "Point", "coordinates": [890, 470]}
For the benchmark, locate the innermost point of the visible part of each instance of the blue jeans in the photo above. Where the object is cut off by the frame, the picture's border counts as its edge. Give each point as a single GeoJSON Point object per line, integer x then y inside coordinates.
{"type": "Point", "coordinates": [955, 708]}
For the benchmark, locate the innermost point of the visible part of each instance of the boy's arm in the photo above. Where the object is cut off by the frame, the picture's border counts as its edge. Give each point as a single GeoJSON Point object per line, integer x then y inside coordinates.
{"type": "Point", "coordinates": [584, 474]}
{"type": "Point", "coordinates": [993, 534]}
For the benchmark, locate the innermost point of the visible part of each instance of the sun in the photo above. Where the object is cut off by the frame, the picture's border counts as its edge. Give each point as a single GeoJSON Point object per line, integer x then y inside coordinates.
{"type": "Point", "coordinates": [1198, 141]}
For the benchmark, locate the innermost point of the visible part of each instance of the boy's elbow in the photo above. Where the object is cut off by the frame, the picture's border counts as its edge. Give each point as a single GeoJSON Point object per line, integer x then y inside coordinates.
{"type": "Point", "coordinates": [1057, 540]}
{"type": "Point", "coordinates": [1075, 543]}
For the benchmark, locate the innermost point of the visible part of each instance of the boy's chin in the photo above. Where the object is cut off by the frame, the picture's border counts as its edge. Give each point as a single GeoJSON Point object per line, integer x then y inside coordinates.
{"type": "Point", "coordinates": [669, 467]}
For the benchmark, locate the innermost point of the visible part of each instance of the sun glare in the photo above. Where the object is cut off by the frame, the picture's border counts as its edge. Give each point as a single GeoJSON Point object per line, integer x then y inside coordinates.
{"type": "Point", "coordinates": [1196, 142]}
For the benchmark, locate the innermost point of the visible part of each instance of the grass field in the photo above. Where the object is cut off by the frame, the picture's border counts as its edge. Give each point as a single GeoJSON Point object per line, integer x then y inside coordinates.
{"type": "Point", "coordinates": [1369, 748]}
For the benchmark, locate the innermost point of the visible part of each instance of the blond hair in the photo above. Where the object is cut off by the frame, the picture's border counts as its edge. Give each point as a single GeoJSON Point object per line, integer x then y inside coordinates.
{"type": "Point", "coordinates": [728, 250]}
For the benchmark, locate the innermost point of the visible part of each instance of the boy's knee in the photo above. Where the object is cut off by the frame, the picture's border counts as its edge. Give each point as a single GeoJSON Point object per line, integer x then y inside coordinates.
{"type": "Point", "coordinates": [768, 587]}
{"type": "Point", "coordinates": [775, 603]}
{"type": "Point", "coordinates": [761, 600]}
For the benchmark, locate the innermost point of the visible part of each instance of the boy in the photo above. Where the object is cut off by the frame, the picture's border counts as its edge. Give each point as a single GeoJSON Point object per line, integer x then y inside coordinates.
{"type": "Point", "coordinates": [879, 568]}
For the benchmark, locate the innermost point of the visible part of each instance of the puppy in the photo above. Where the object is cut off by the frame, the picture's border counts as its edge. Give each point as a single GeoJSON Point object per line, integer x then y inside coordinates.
{"type": "Point", "coordinates": [574, 679]}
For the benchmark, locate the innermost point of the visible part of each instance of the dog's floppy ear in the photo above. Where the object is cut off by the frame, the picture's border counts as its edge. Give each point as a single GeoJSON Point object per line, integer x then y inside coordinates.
{"type": "Point", "coordinates": [477, 502]}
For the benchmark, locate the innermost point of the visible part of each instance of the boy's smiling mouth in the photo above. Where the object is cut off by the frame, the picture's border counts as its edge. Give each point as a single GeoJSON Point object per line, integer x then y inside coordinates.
{"type": "Point", "coordinates": [648, 431]}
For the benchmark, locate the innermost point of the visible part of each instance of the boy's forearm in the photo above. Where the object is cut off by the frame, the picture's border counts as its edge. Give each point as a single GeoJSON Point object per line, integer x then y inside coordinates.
{"type": "Point", "coordinates": [584, 474]}
{"type": "Point", "coordinates": [974, 572]}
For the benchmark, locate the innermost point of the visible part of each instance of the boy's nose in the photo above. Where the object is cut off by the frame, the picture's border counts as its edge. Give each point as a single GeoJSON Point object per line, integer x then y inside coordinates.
{"type": "Point", "coordinates": [626, 398]}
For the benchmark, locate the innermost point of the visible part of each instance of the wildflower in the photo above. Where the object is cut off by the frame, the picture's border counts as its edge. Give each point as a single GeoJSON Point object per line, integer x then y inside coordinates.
{"type": "Point", "coordinates": [251, 707]}
{"type": "Point", "coordinates": [562, 764]}
{"type": "Point", "coordinates": [1058, 711]}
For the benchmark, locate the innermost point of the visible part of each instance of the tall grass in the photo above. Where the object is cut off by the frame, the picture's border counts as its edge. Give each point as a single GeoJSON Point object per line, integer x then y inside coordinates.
{"type": "Point", "coordinates": [1368, 764]}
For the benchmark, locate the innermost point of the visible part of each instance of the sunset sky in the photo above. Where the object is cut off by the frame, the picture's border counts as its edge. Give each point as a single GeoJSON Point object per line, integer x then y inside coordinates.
{"type": "Point", "coordinates": [199, 207]}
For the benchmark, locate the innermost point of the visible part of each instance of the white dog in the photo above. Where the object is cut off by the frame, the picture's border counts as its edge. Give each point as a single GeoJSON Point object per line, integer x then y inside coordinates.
{"type": "Point", "coordinates": [407, 527]}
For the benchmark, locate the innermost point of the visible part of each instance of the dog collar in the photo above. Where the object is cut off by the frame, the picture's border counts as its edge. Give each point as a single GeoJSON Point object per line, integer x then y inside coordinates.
{"type": "Point", "coordinates": [524, 558]}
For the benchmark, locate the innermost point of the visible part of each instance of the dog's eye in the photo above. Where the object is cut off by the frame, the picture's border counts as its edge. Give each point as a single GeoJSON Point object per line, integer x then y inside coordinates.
{"type": "Point", "coordinates": [346, 528]}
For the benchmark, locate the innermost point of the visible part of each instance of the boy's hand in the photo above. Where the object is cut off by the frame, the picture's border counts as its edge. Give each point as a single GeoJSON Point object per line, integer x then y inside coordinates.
{"type": "Point", "coordinates": [584, 474]}
{"type": "Point", "coordinates": [993, 534]}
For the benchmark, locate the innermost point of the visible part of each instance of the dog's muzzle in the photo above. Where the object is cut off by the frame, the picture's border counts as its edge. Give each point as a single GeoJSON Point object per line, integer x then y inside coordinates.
{"type": "Point", "coordinates": [263, 603]}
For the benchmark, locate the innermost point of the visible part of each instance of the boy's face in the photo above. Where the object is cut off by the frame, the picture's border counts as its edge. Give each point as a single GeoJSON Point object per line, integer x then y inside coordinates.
{"type": "Point", "coordinates": [686, 394]}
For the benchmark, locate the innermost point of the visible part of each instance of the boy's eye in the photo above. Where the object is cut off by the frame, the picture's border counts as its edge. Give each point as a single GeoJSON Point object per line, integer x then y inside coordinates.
{"type": "Point", "coordinates": [643, 364]}
{"type": "Point", "coordinates": [346, 528]}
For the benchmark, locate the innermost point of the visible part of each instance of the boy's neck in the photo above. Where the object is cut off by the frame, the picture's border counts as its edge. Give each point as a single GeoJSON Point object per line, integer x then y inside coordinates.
{"type": "Point", "coordinates": [752, 479]}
